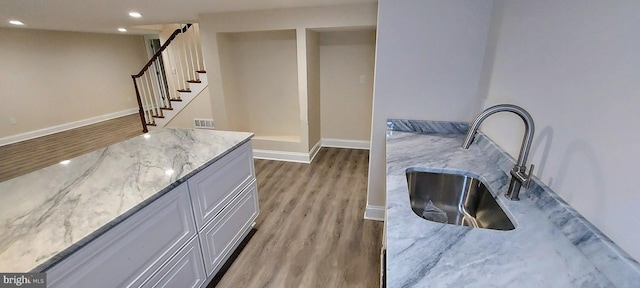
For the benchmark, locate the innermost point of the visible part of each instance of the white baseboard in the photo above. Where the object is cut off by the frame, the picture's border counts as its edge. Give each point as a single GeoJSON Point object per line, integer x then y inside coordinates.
{"type": "Point", "coordinates": [298, 157]}
{"type": "Point", "coordinates": [301, 157]}
{"type": "Point", "coordinates": [314, 151]}
{"type": "Point", "coordinates": [64, 127]}
{"type": "Point", "coordinates": [374, 213]}
{"type": "Point", "coordinates": [343, 143]}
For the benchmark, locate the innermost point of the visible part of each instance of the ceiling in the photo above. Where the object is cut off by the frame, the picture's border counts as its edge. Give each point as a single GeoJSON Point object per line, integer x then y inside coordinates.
{"type": "Point", "coordinates": [106, 16]}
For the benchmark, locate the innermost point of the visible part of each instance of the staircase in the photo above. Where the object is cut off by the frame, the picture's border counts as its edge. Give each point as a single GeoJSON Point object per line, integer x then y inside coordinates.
{"type": "Point", "coordinates": [194, 87]}
{"type": "Point", "coordinates": [162, 95]}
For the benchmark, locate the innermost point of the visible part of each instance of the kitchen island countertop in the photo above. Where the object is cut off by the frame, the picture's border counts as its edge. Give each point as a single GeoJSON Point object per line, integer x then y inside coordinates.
{"type": "Point", "coordinates": [50, 213]}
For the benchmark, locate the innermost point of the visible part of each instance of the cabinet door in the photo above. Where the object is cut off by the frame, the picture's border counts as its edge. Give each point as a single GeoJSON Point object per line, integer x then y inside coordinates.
{"type": "Point", "coordinates": [216, 185]}
{"type": "Point", "coordinates": [129, 253]}
{"type": "Point", "coordinates": [220, 237]}
{"type": "Point", "coordinates": [185, 270]}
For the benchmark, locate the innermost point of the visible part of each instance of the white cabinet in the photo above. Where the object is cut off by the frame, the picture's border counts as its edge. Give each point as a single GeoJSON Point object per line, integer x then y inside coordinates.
{"type": "Point", "coordinates": [215, 186]}
{"type": "Point", "coordinates": [223, 235]}
{"type": "Point", "coordinates": [225, 205]}
{"type": "Point", "coordinates": [185, 270]}
{"type": "Point", "coordinates": [129, 253]}
{"type": "Point", "coordinates": [163, 244]}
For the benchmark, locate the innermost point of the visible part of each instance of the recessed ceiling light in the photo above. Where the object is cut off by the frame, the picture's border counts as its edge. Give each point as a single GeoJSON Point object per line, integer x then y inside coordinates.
{"type": "Point", "coordinates": [135, 14]}
{"type": "Point", "coordinates": [122, 29]}
{"type": "Point", "coordinates": [16, 22]}
{"type": "Point", "coordinates": [65, 162]}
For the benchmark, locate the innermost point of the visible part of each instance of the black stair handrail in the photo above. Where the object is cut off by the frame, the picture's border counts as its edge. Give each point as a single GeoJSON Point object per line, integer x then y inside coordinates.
{"type": "Point", "coordinates": [146, 67]}
{"type": "Point", "coordinates": [162, 48]}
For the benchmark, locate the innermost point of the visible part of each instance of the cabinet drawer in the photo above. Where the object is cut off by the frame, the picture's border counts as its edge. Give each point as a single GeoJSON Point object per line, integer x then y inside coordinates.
{"type": "Point", "coordinates": [214, 187]}
{"type": "Point", "coordinates": [129, 253]}
{"type": "Point", "coordinates": [185, 270]}
{"type": "Point", "coordinates": [220, 237]}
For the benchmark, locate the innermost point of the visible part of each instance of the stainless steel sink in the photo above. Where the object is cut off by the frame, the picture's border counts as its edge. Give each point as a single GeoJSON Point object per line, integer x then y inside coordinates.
{"type": "Point", "coordinates": [455, 199]}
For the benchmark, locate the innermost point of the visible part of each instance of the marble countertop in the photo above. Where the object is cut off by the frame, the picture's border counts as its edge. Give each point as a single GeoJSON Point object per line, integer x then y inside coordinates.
{"type": "Point", "coordinates": [552, 245]}
{"type": "Point", "coordinates": [50, 213]}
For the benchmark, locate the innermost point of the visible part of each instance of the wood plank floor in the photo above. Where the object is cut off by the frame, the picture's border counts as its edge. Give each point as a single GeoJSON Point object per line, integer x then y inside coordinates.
{"type": "Point", "coordinates": [30, 155]}
{"type": "Point", "coordinates": [311, 231]}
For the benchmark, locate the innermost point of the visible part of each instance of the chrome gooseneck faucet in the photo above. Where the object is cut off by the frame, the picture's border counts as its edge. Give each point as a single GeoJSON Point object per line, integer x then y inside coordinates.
{"type": "Point", "coordinates": [518, 173]}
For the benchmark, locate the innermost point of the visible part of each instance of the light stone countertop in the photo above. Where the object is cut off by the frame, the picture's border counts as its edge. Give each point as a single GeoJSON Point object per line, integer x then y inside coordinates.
{"type": "Point", "coordinates": [50, 213]}
{"type": "Point", "coordinates": [552, 245]}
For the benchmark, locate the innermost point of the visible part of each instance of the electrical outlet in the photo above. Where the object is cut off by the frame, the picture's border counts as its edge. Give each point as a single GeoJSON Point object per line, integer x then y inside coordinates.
{"type": "Point", "coordinates": [13, 121]}
{"type": "Point", "coordinates": [174, 70]}
{"type": "Point", "coordinates": [362, 78]}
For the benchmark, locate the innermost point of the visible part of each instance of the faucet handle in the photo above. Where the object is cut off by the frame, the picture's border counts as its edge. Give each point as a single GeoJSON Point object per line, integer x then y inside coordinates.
{"type": "Point", "coordinates": [527, 182]}
{"type": "Point", "coordinates": [519, 173]}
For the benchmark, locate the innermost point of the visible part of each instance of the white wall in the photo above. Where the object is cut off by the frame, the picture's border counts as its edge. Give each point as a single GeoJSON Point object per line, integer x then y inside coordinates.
{"type": "Point", "coordinates": [53, 78]}
{"type": "Point", "coordinates": [428, 66]}
{"type": "Point", "coordinates": [575, 66]}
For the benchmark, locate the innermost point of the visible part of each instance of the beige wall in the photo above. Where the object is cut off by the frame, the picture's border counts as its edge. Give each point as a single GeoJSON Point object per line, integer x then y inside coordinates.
{"type": "Point", "coordinates": [345, 56]}
{"type": "Point", "coordinates": [228, 85]}
{"type": "Point", "coordinates": [53, 78]}
{"type": "Point", "coordinates": [298, 19]}
{"type": "Point", "coordinates": [313, 86]}
{"type": "Point", "coordinates": [177, 57]}
{"type": "Point", "coordinates": [174, 81]}
{"type": "Point", "coordinates": [352, 15]}
{"type": "Point", "coordinates": [199, 107]}
{"type": "Point", "coordinates": [262, 72]}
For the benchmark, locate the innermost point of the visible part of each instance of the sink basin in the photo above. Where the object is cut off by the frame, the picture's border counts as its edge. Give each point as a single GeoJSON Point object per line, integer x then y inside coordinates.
{"type": "Point", "coordinates": [455, 199]}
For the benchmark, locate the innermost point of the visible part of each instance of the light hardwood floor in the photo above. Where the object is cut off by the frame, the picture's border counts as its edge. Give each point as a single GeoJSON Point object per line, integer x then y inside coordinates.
{"type": "Point", "coordinates": [311, 231]}
{"type": "Point", "coordinates": [27, 156]}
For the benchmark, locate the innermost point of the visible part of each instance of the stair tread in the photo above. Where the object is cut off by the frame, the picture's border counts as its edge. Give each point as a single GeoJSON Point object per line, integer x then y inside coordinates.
{"type": "Point", "coordinates": [201, 71]}
{"type": "Point", "coordinates": [151, 124]}
{"type": "Point", "coordinates": [157, 116]}
{"type": "Point", "coordinates": [194, 81]}
{"type": "Point", "coordinates": [175, 99]}
{"type": "Point", "coordinates": [166, 108]}
{"type": "Point", "coordinates": [184, 90]}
